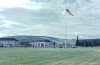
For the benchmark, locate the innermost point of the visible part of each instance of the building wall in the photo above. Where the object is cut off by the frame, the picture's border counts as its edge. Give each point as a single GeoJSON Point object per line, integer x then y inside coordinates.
{"type": "Point", "coordinates": [41, 44]}
{"type": "Point", "coordinates": [9, 43]}
{"type": "Point", "coordinates": [49, 45]}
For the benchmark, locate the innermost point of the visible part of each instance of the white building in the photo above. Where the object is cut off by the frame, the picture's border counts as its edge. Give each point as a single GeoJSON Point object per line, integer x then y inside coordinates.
{"type": "Point", "coordinates": [8, 42]}
{"type": "Point", "coordinates": [40, 43]}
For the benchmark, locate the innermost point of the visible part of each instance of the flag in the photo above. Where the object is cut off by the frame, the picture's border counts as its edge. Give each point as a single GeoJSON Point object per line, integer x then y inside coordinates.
{"type": "Point", "coordinates": [69, 12]}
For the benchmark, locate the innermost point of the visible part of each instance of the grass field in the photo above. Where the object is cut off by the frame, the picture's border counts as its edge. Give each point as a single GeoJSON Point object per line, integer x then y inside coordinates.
{"type": "Point", "coordinates": [49, 56]}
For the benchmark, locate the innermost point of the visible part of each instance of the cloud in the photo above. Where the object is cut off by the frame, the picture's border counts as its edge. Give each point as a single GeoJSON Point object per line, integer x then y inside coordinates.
{"type": "Point", "coordinates": [45, 17]}
{"type": "Point", "coordinates": [8, 23]}
{"type": "Point", "coordinates": [19, 3]}
{"type": "Point", "coordinates": [32, 16]}
{"type": "Point", "coordinates": [11, 3]}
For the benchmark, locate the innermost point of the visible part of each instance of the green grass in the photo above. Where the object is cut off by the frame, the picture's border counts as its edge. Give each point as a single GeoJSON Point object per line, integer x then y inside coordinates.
{"type": "Point", "coordinates": [49, 56]}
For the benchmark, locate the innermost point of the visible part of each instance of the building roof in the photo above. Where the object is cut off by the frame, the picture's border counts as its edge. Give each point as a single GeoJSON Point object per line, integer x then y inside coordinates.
{"type": "Point", "coordinates": [41, 41]}
{"type": "Point", "coordinates": [8, 39]}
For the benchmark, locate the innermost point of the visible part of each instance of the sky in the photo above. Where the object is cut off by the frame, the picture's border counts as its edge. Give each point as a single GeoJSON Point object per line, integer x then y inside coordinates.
{"type": "Point", "coordinates": [48, 18]}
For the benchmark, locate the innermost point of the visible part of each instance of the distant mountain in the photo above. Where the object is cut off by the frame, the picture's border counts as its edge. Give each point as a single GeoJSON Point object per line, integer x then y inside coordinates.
{"type": "Point", "coordinates": [31, 38]}
{"type": "Point", "coordinates": [53, 39]}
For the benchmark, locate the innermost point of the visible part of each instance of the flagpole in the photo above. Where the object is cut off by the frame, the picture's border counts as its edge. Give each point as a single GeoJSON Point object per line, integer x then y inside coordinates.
{"type": "Point", "coordinates": [66, 45]}
{"type": "Point", "coordinates": [65, 32]}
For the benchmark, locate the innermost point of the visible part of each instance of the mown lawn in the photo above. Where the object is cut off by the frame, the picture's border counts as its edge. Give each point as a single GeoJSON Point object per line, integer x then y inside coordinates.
{"type": "Point", "coordinates": [49, 56]}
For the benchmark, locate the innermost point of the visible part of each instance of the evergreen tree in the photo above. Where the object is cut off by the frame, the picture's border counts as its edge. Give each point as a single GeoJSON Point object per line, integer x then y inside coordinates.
{"type": "Point", "coordinates": [77, 42]}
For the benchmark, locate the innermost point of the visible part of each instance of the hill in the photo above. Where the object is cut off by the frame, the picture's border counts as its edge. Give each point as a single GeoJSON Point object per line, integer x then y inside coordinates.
{"type": "Point", "coordinates": [31, 38]}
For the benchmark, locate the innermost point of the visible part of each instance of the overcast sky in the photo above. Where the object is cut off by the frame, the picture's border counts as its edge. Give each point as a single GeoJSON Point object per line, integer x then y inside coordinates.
{"type": "Point", "coordinates": [48, 17]}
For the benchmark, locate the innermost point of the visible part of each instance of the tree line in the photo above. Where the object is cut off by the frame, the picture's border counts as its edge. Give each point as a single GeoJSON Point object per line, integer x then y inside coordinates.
{"type": "Point", "coordinates": [86, 43]}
